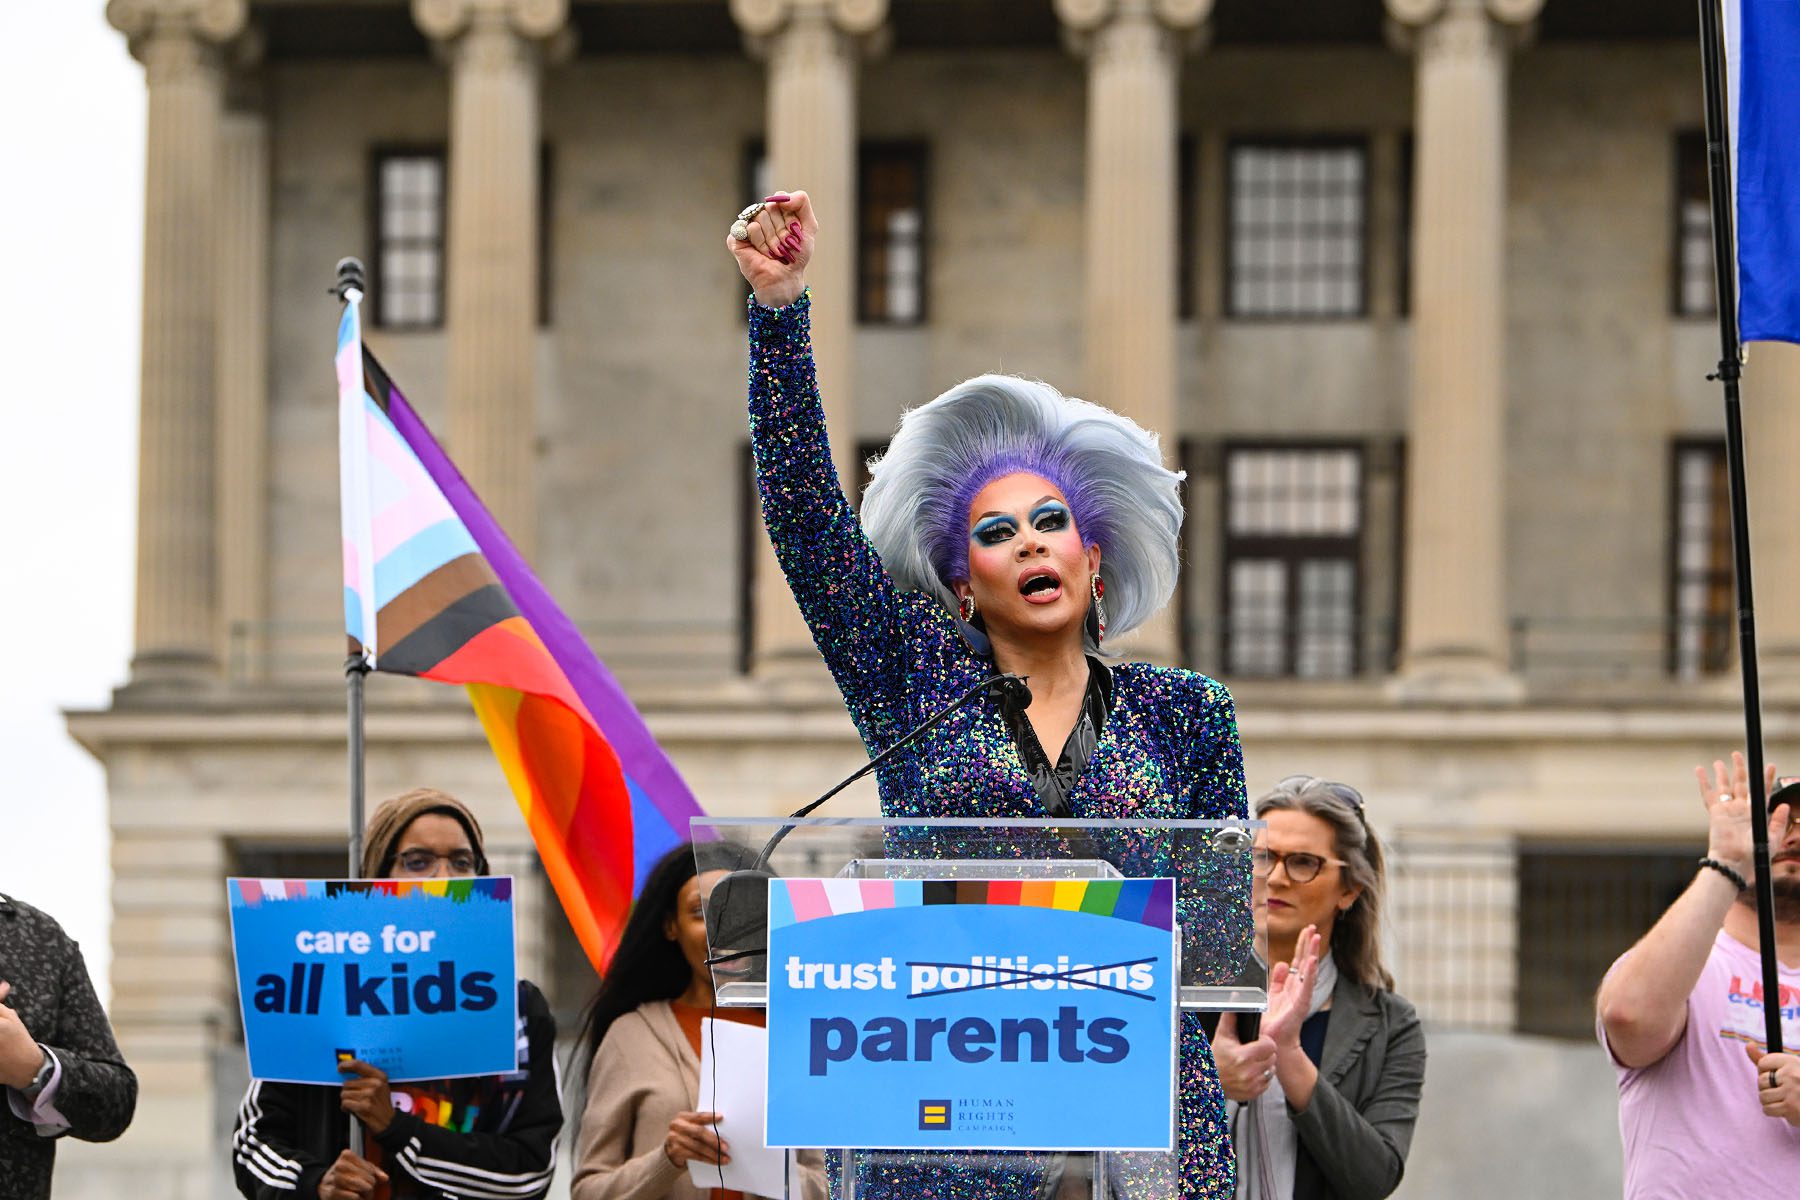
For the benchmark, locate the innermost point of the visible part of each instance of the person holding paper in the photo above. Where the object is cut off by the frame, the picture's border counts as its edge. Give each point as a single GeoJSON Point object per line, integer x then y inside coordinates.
{"type": "Point", "coordinates": [640, 1131]}
{"type": "Point", "coordinates": [486, 1138]}
{"type": "Point", "coordinates": [1009, 529]}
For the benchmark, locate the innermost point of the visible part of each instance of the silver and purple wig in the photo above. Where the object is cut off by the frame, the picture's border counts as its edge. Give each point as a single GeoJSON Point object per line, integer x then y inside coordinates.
{"type": "Point", "coordinates": [916, 509]}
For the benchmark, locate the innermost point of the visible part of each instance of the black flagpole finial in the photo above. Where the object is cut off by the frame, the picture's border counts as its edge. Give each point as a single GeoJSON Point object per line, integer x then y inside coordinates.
{"type": "Point", "coordinates": [350, 277]}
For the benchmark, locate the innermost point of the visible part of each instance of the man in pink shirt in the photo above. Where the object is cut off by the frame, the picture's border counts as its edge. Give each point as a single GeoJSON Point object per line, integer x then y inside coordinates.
{"type": "Point", "coordinates": [1704, 1108]}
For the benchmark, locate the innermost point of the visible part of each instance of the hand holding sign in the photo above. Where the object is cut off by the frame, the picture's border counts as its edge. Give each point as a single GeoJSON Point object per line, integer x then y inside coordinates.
{"type": "Point", "coordinates": [351, 1178]}
{"type": "Point", "coordinates": [367, 1097]}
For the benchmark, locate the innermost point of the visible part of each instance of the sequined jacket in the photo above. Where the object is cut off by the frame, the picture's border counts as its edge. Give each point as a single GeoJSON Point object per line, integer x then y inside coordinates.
{"type": "Point", "coordinates": [1168, 750]}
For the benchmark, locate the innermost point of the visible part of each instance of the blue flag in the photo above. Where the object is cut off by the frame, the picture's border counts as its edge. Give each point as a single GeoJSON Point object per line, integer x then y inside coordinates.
{"type": "Point", "coordinates": [1762, 50]}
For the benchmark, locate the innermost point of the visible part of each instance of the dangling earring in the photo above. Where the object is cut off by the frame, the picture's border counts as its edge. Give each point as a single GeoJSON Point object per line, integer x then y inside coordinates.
{"type": "Point", "coordinates": [1097, 588]}
{"type": "Point", "coordinates": [965, 609]}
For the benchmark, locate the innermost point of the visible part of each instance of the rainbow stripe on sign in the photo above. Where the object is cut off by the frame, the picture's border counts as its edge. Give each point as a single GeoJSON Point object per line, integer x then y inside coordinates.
{"type": "Point", "coordinates": [252, 892]}
{"type": "Point", "coordinates": [1140, 901]}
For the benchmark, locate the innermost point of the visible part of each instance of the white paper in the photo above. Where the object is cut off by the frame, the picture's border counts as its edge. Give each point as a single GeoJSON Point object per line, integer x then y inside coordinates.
{"type": "Point", "coordinates": [734, 1072]}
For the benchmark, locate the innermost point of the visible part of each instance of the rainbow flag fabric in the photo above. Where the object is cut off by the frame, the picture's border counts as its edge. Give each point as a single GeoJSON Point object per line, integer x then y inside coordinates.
{"type": "Point", "coordinates": [434, 588]}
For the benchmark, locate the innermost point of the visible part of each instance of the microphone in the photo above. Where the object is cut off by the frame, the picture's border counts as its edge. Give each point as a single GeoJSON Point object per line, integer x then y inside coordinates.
{"type": "Point", "coordinates": [738, 908]}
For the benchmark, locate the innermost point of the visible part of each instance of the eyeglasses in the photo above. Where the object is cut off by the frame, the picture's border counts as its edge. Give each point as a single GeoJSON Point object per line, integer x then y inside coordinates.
{"type": "Point", "coordinates": [1301, 866]}
{"type": "Point", "coordinates": [424, 862]}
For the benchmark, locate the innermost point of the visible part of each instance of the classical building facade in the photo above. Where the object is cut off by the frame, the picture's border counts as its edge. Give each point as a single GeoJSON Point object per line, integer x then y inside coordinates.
{"type": "Point", "coordinates": [1418, 293]}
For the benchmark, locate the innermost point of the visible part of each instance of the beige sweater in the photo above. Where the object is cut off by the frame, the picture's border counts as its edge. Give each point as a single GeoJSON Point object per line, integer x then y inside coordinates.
{"type": "Point", "coordinates": [644, 1073]}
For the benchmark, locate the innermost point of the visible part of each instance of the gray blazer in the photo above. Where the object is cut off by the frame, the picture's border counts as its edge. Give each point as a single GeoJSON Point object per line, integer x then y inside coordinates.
{"type": "Point", "coordinates": [1355, 1134]}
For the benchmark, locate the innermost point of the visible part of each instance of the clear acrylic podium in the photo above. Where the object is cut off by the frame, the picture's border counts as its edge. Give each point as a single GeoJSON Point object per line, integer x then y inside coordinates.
{"type": "Point", "coordinates": [1222, 959]}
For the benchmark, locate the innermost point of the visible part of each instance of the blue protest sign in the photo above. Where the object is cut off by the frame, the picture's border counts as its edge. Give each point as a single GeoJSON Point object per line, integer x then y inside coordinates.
{"type": "Point", "coordinates": [413, 977]}
{"type": "Point", "coordinates": [971, 1014]}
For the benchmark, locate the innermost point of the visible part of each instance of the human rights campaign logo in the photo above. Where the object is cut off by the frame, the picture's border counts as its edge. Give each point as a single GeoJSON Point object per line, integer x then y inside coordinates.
{"type": "Point", "coordinates": [934, 1114]}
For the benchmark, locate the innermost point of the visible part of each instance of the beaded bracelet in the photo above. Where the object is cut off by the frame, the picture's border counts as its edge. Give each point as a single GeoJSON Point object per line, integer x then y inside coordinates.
{"type": "Point", "coordinates": [1727, 872]}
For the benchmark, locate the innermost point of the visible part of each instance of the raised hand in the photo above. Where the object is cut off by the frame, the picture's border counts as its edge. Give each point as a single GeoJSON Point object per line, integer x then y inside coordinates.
{"type": "Point", "coordinates": [1726, 795]}
{"type": "Point", "coordinates": [1291, 990]}
{"type": "Point", "coordinates": [776, 246]}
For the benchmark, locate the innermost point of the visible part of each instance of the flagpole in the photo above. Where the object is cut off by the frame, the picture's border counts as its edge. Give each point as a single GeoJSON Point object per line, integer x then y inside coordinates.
{"type": "Point", "coordinates": [350, 280]}
{"type": "Point", "coordinates": [1712, 53]}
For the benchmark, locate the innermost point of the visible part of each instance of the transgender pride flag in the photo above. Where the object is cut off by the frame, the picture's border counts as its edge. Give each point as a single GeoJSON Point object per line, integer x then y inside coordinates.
{"type": "Point", "coordinates": [434, 588]}
{"type": "Point", "coordinates": [1762, 66]}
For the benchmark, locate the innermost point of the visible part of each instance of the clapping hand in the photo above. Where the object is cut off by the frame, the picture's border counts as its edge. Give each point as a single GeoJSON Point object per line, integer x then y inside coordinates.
{"type": "Point", "coordinates": [1291, 990]}
{"type": "Point", "coordinates": [1245, 1068]}
{"type": "Point", "coordinates": [20, 1056]}
{"type": "Point", "coordinates": [779, 232]}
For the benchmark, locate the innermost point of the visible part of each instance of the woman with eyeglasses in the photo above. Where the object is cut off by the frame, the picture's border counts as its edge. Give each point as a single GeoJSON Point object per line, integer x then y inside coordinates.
{"type": "Point", "coordinates": [1323, 1097]}
{"type": "Point", "coordinates": [492, 1135]}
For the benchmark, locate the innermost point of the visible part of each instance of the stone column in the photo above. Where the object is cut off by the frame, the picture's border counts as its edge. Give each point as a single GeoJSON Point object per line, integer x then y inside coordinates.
{"type": "Point", "coordinates": [242, 374]}
{"type": "Point", "coordinates": [495, 48]}
{"type": "Point", "coordinates": [1134, 49]}
{"type": "Point", "coordinates": [812, 48]}
{"type": "Point", "coordinates": [1455, 619]}
{"type": "Point", "coordinates": [1771, 404]}
{"type": "Point", "coordinates": [179, 42]}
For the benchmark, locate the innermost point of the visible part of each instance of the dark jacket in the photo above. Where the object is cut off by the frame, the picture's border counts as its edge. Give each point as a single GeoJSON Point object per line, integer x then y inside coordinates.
{"type": "Point", "coordinates": [487, 1137]}
{"type": "Point", "coordinates": [1355, 1134]}
{"type": "Point", "coordinates": [55, 1000]}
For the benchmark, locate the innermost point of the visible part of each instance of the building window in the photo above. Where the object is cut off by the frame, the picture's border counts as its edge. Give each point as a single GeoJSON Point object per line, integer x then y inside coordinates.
{"type": "Point", "coordinates": [408, 283]}
{"type": "Point", "coordinates": [1694, 284]}
{"type": "Point", "coordinates": [1700, 578]}
{"type": "Point", "coordinates": [890, 253]}
{"type": "Point", "coordinates": [1292, 560]}
{"type": "Point", "coordinates": [1297, 231]}
{"type": "Point", "coordinates": [1580, 907]}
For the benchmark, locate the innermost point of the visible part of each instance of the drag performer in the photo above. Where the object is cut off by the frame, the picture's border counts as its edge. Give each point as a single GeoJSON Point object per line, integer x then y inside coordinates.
{"type": "Point", "coordinates": [1007, 529]}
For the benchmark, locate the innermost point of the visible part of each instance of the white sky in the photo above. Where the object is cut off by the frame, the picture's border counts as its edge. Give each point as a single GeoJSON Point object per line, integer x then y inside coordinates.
{"type": "Point", "coordinates": [71, 150]}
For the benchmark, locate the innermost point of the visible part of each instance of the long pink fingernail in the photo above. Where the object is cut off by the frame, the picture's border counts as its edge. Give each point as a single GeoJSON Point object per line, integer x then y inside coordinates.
{"type": "Point", "coordinates": [793, 227]}
{"type": "Point", "coordinates": [777, 198]}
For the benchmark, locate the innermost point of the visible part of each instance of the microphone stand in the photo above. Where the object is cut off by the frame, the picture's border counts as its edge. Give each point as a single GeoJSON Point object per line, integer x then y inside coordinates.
{"type": "Point", "coordinates": [720, 905]}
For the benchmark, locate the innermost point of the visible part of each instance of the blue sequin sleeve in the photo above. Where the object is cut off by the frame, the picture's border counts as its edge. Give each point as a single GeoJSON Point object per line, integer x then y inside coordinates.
{"type": "Point", "coordinates": [856, 613]}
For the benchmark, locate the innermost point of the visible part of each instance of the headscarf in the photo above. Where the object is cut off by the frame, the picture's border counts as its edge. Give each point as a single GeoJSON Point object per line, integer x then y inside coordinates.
{"type": "Point", "coordinates": [381, 835]}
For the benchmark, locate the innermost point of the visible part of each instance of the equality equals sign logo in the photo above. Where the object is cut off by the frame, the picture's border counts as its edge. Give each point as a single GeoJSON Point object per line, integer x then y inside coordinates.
{"type": "Point", "coordinates": [934, 1114]}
